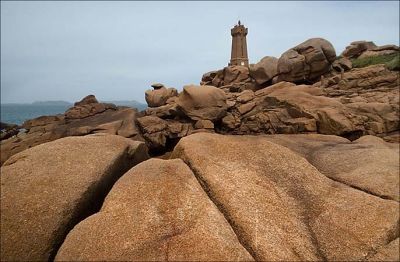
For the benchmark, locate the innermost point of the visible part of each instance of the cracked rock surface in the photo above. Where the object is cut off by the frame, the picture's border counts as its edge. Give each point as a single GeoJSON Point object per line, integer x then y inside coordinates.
{"type": "Point", "coordinates": [156, 212]}
{"type": "Point", "coordinates": [218, 198]}
{"type": "Point", "coordinates": [282, 207]}
{"type": "Point", "coordinates": [49, 188]}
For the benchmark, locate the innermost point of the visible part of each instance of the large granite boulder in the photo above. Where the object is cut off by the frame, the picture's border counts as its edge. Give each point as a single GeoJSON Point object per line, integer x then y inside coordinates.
{"type": "Point", "coordinates": [281, 207]}
{"type": "Point", "coordinates": [202, 102]}
{"type": "Point", "coordinates": [46, 190]}
{"type": "Point", "coordinates": [159, 96]}
{"type": "Point", "coordinates": [264, 70]}
{"type": "Point", "coordinates": [235, 74]}
{"type": "Point", "coordinates": [157, 211]}
{"type": "Point", "coordinates": [307, 61]}
{"type": "Point", "coordinates": [356, 48]}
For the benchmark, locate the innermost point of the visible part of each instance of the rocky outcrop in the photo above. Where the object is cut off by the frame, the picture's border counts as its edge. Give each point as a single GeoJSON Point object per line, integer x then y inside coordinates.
{"type": "Point", "coordinates": [283, 208]}
{"type": "Point", "coordinates": [356, 48]}
{"type": "Point", "coordinates": [161, 134]}
{"type": "Point", "coordinates": [264, 70]}
{"type": "Point", "coordinates": [156, 211]}
{"type": "Point", "coordinates": [380, 51]}
{"type": "Point", "coordinates": [86, 117]}
{"type": "Point", "coordinates": [88, 106]}
{"type": "Point", "coordinates": [372, 94]}
{"type": "Point", "coordinates": [342, 64]}
{"type": "Point", "coordinates": [352, 103]}
{"type": "Point", "coordinates": [160, 95]}
{"type": "Point", "coordinates": [48, 189]}
{"type": "Point", "coordinates": [307, 61]}
{"type": "Point", "coordinates": [364, 49]}
{"type": "Point", "coordinates": [8, 130]}
{"type": "Point", "coordinates": [235, 74]}
{"type": "Point", "coordinates": [232, 78]}
{"type": "Point", "coordinates": [202, 102]}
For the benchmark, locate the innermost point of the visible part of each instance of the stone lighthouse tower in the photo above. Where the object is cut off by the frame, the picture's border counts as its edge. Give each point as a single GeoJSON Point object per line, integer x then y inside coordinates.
{"type": "Point", "coordinates": [239, 46]}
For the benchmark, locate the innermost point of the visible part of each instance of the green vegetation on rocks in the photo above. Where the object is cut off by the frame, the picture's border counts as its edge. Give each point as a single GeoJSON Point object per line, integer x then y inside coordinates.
{"type": "Point", "coordinates": [392, 61]}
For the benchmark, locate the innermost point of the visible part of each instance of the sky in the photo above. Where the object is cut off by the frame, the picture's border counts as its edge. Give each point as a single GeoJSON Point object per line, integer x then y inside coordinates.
{"type": "Point", "coordinates": [56, 50]}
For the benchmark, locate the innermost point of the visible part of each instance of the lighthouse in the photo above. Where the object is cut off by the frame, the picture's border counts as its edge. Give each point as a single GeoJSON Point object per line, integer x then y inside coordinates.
{"type": "Point", "coordinates": [239, 46]}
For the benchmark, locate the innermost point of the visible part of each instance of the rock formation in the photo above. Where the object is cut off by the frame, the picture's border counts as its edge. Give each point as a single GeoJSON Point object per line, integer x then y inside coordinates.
{"type": "Point", "coordinates": [160, 95]}
{"type": "Point", "coordinates": [276, 200]}
{"type": "Point", "coordinates": [202, 103]}
{"type": "Point", "coordinates": [8, 130]}
{"type": "Point", "coordinates": [220, 197]}
{"type": "Point", "coordinates": [156, 211]}
{"type": "Point", "coordinates": [312, 176]}
{"type": "Point", "coordinates": [356, 48]}
{"type": "Point", "coordinates": [85, 117]}
{"type": "Point", "coordinates": [265, 70]}
{"type": "Point", "coordinates": [47, 189]}
{"type": "Point", "coordinates": [307, 61]}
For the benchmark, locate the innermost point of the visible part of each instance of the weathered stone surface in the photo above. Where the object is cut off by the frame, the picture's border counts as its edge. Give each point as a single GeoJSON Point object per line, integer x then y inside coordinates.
{"type": "Point", "coordinates": [208, 77]}
{"type": "Point", "coordinates": [90, 99]}
{"type": "Point", "coordinates": [235, 74]}
{"type": "Point", "coordinates": [88, 106]}
{"type": "Point", "coordinates": [154, 130]}
{"type": "Point", "coordinates": [368, 163]}
{"type": "Point", "coordinates": [202, 102]}
{"type": "Point", "coordinates": [49, 188]}
{"type": "Point", "coordinates": [357, 48]}
{"type": "Point", "coordinates": [204, 124]}
{"type": "Point", "coordinates": [159, 96]}
{"type": "Point", "coordinates": [342, 64]}
{"type": "Point", "coordinates": [306, 61]}
{"type": "Point", "coordinates": [390, 252]}
{"type": "Point", "coordinates": [371, 53]}
{"type": "Point", "coordinates": [156, 211]}
{"type": "Point", "coordinates": [157, 131]}
{"type": "Point", "coordinates": [281, 207]}
{"type": "Point", "coordinates": [264, 70]}
{"type": "Point", "coordinates": [245, 96]}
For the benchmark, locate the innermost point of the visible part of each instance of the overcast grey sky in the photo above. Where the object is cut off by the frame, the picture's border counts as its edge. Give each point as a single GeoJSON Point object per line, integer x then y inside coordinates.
{"type": "Point", "coordinates": [115, 50]}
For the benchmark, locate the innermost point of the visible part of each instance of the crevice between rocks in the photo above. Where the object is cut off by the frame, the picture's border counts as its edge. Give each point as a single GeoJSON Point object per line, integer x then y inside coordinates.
{"type": "Point", "coordinates": [92, 200]}
{"type": "Point", "coordinates": [384, 197]}
{"type": "Point", "coordinates": [235, 228]}
{"type": "Point", "coordinates": [392, 234]}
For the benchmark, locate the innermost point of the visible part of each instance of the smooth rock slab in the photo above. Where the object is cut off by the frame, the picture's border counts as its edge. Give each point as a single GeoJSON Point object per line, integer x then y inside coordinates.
{"type": "Point", "coordinates": [368, 163]}
{"type": "Point", "coordinates": [47, 189]}
{"type": "Point", "coordinates": [156, 212]}
{"type": "Point", "coordinates": [283, 208]}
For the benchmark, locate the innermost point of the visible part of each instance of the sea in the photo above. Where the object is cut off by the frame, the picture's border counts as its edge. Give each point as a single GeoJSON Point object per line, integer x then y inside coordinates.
{"type": "Point", "coordinates": [18, 113]}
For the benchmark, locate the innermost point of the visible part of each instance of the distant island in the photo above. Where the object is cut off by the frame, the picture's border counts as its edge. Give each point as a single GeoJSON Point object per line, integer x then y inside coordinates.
{"type": "Point", "coordinates": [130, 103]}
{"type": "Point", "coordinates": [52, 103]}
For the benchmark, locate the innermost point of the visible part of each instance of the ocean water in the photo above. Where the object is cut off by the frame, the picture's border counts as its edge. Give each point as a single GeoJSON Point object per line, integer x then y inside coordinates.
{"type": "Point", "coordinates": [18, 113]}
